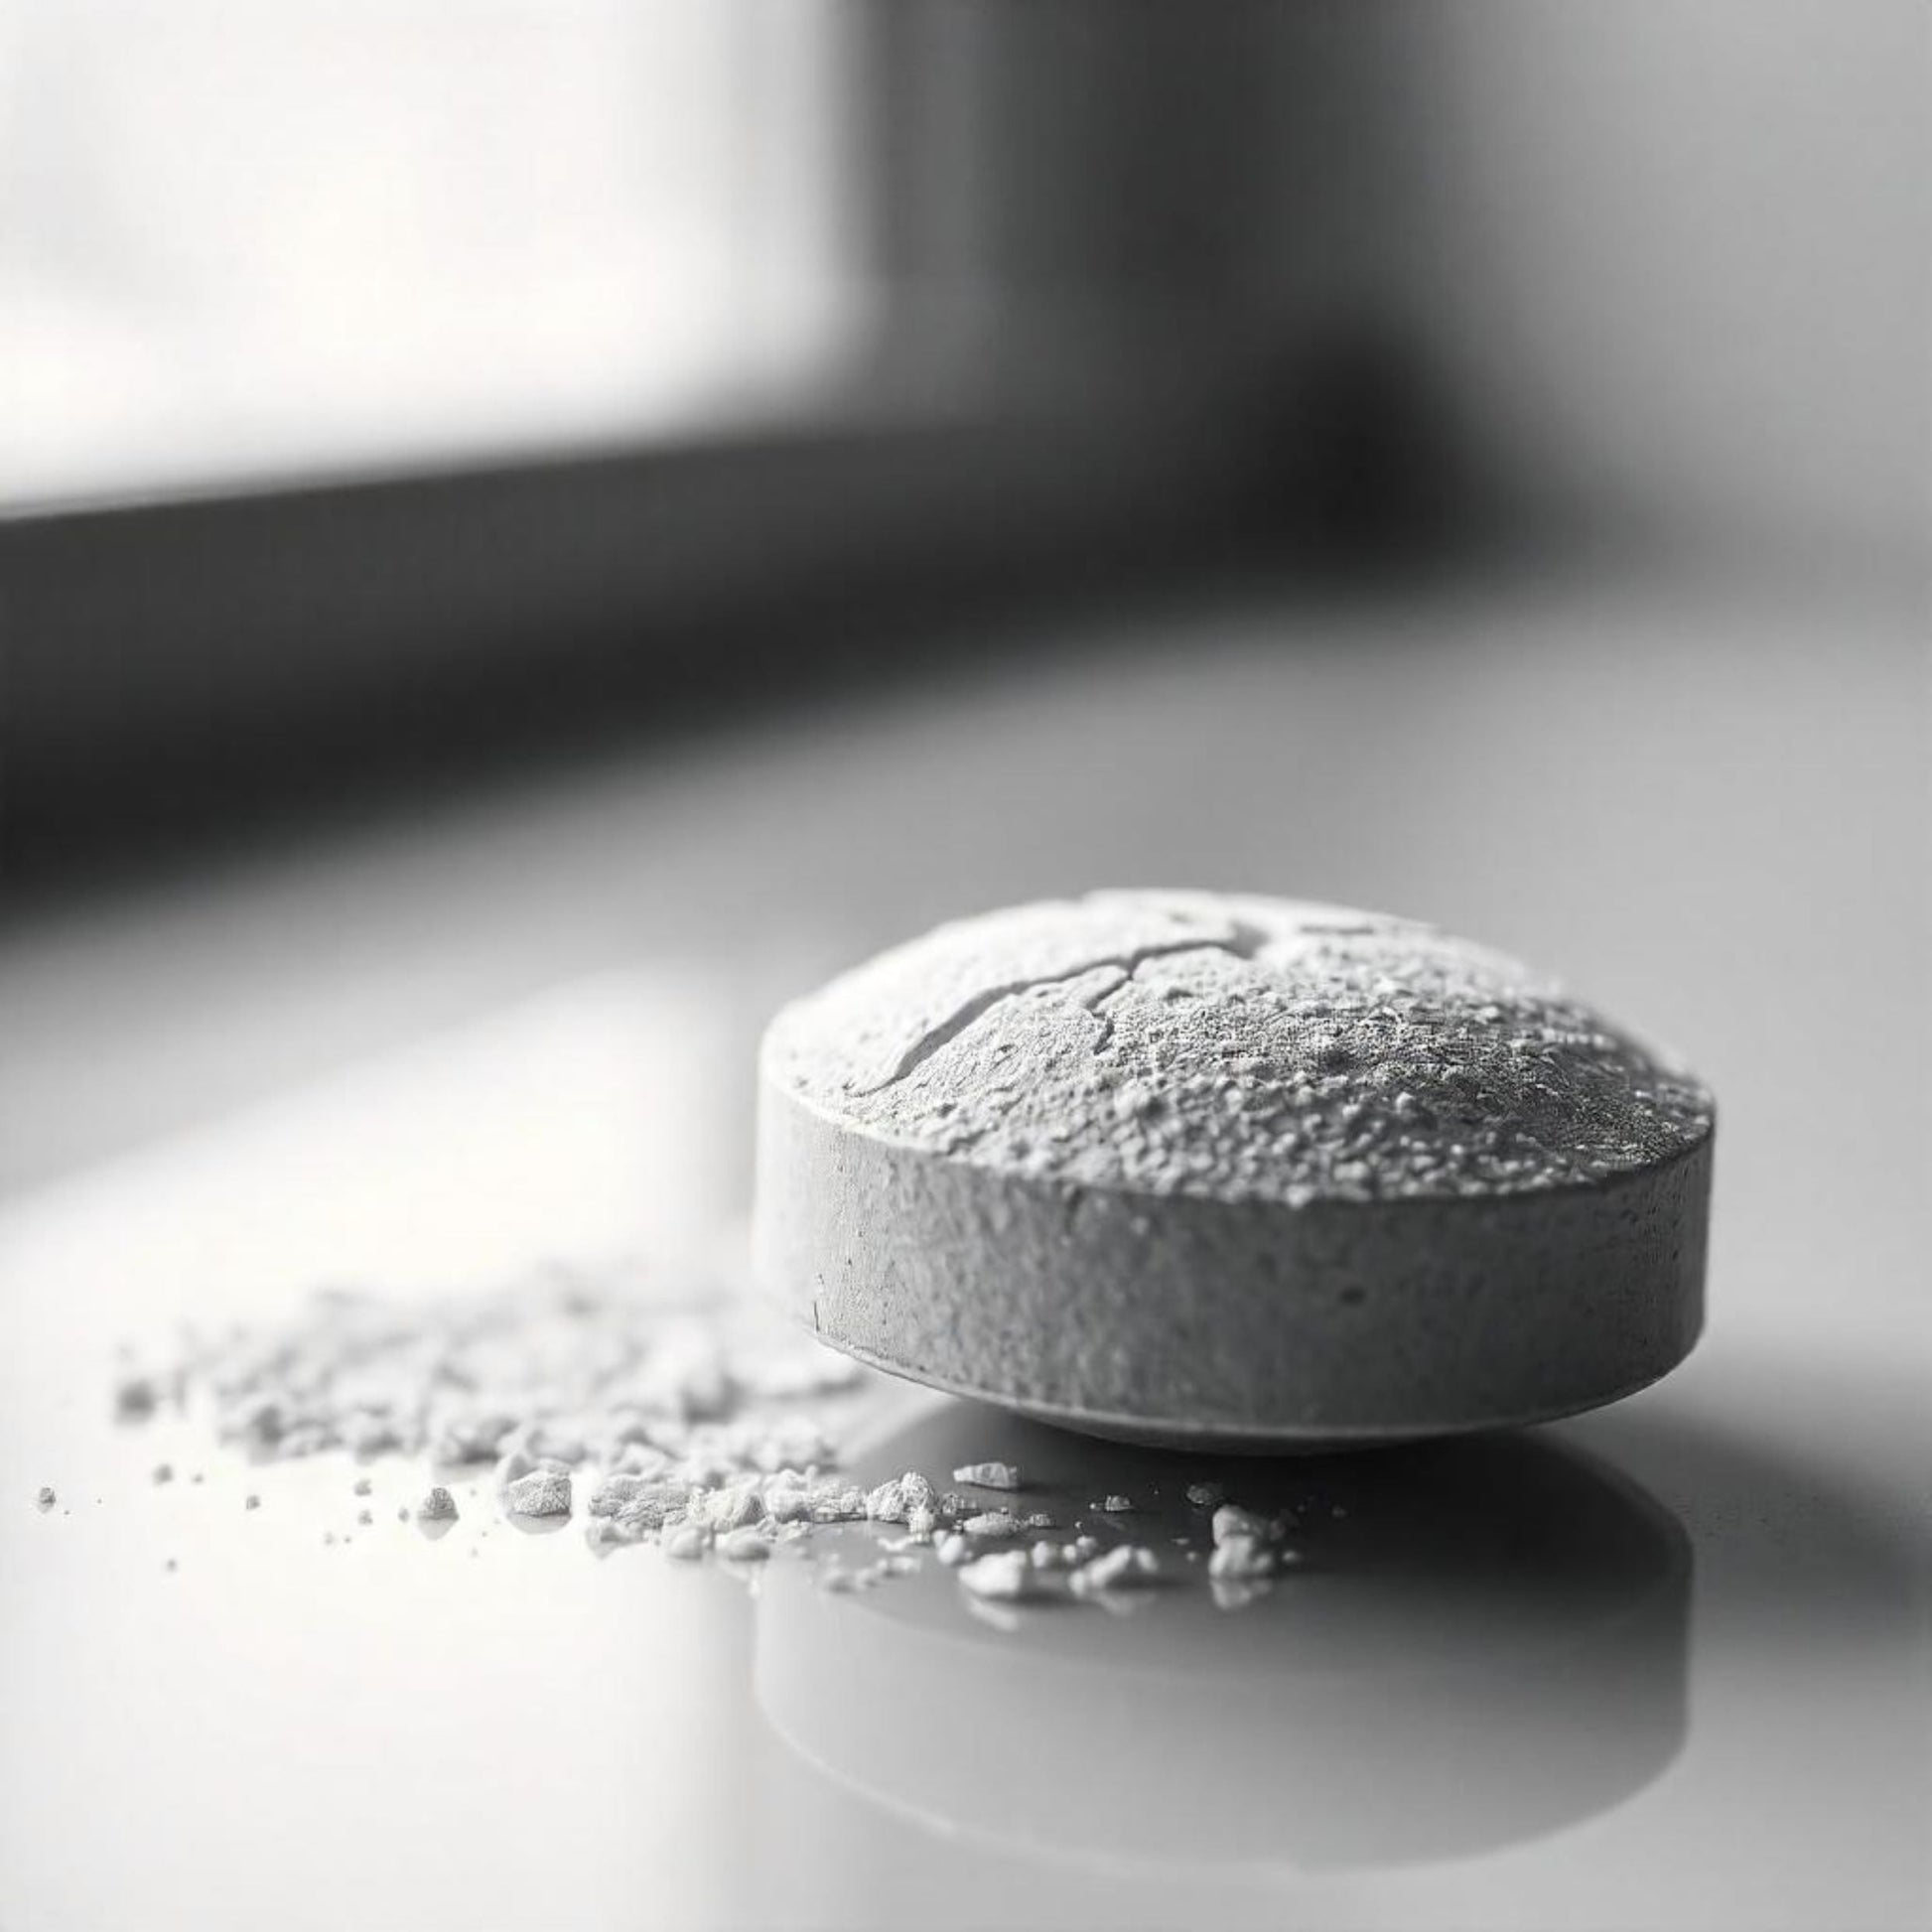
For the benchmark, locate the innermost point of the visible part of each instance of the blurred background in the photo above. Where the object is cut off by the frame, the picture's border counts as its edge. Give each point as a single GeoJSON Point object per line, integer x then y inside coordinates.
{"type": "Point", "coordinates": [375, 375]}
{"type": "Point", "coordinates": [530, 533]}
{"type": "Point", "coordinates": [638, 410]}
{"type": "Point", "coordinates": [499, 495]}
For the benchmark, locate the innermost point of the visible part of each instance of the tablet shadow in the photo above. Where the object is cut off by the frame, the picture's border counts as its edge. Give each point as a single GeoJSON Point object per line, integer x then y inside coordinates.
{"type": "Point", "coordinates": [1486, 1640]}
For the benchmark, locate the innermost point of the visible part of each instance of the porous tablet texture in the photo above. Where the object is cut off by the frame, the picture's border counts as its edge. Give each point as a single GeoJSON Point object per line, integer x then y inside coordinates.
{"type": "Point", "coordinates": [1231, 1168]}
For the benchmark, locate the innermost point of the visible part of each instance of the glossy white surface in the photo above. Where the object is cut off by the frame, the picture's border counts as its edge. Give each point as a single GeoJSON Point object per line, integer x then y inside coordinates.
{"type": "Point", "coordinates": [1662, 1666]}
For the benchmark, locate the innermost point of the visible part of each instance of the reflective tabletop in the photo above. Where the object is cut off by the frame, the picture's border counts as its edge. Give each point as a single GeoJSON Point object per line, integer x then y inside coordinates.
{"type": "Point", "coordinates": [1663, 1665]}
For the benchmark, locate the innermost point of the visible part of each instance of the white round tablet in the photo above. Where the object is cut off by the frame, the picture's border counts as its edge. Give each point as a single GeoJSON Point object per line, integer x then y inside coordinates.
{"type": "Point", "coordinates": [1231, 1172]}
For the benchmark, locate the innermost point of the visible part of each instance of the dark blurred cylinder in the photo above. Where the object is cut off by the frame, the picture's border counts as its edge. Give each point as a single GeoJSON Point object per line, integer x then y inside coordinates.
{"type": "Point", "coordinates": [1115, 198]}
{"type": "Point", "coordinates": [1112, 176]}
{"type": "Point", "coordinates": [1080, 154]}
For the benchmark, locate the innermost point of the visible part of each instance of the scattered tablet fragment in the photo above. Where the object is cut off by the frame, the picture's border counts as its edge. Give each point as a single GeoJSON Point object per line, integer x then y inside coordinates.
{"type": "Point", "coordinates": [251, 1501]}
{"type": "Point", "coordinates": [1207, 1495]}
{"type": "Point", "coordinates": [1207, 1170]}
{"type": "Point", "coordinates": [1124, 1567]}
{"type": "Point", "coordinates": [894, 1502]}
{"type": "Point", "coordinates": [1006, 1576]}
{"type": "Point", "coordinates": [46, 1499]}
{"type": "Point", "coordinates": [992, 1522]}
{"type": "Point", "coordinates": [543, 1492]}
{"type": "Point", "coordinates": [437, 1506]}
{"type": "Point", "coordinates": [163, 1472]}
{"type": "Point", "coordinates": [1243, 1546]}
{"type": "Point", "coordinates": [1115, 1504]}
{"type": "Point", "coordinates": [988, 1476]}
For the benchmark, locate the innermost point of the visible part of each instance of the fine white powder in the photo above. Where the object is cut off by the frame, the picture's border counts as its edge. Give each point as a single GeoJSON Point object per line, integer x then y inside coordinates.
{"type": "Point", "coordinates": [988, 1476]}
{"type": "Point", "coordinates": [1121, 1568]}
{"type": "Point", "coordinates": [1005, 1576]}
{"type": "Point", "coordinates": [542, 1492]}
{"type": "Point", "coordinates": [1243, 1546]}
{"type": "Point", "coordinates": [698, 1432]}
{"type": "Point", "coordinates": [992, 1522]}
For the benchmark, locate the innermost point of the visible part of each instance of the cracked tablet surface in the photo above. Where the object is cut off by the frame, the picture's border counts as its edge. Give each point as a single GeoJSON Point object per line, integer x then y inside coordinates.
{"type": "Point", "coordinates": [1239, 1047]}
{"type": "Point", "coordinates": [1229, 1171]}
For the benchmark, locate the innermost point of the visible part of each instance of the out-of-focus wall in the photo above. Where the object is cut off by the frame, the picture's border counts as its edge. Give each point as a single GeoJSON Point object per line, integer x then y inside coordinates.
{"type": "Point", "coordinates": [1666, 260]}
{"type": "Point", "coordinates": [1681, 260]}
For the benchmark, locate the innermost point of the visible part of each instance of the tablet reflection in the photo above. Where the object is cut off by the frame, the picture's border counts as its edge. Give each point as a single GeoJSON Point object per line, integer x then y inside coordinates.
{"type": "Point", "coordinates": [1486, 1641]}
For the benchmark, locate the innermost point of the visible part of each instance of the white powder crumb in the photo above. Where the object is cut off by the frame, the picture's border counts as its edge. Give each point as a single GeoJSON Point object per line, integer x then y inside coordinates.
{"type": "Point", "coordinates": [1115, 1504]}
{"type": "Point", "coordinates": [623, 1491]}
{"type": "Point", "coordinates": [1043, 1556]}
{"type": "Point", "coordinates": [365, 1516]}
{"type": "Point", "coordinates": [1239, 1558]}
{"type": "Point", "coordinates": [735, 1505]}
{"type": "Point", "coordinates": [992, 1522]}
{"type": "Point", "coordinates": [1039, 1520]}
{"type": "Point", "coordinates": [1338, 1511]}
{"type": "Point", "coordinates": [1081, 1548]}
{"type": "Point", "coordinates": [745, 1545]}
{"type": "Point", "coordinates": [988, 1476]}
{"type": "Point", "coordinates": [402, 1512]}
{"type": "Point", "coordinates": [1207, 1495]}
{"type": "Point", "coordinates": [251, 1502]}
{"type": "Point", "coordinates": [363, 1486]}
{"type": "Point", "coordinates": [45, 1500]}
{"type": "Point", "coordinates": [1004, 1577]}
{"type": "Point", "coordinates": [922, 1523]}
{"type": "Point", "coordinates": [790, 1503]}
{"type": "Point", "coordinates": [1125, 1567]}
{"type": "Point", "coordinates": [897, 1565]}
{"type": "Point", "coordinates": [438, 1506]}
{"type": "Point", "coordinates": [687, 1542]}
{"type": "Point", "coordinates": [894, 1502]}
{"type": "Point", "coordinates": [1229, 1521]}
{"type": "Point", "coordinates": [163, 1472]}
{"type": "Point", "coordinates": [952, 1549]}
{"type": "Point", "coordinates": [543, 1492]}
{"type": "Point", "coordinates": [834, 1502]}
{"type": "Point", "coordinates": [171, 1565]}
